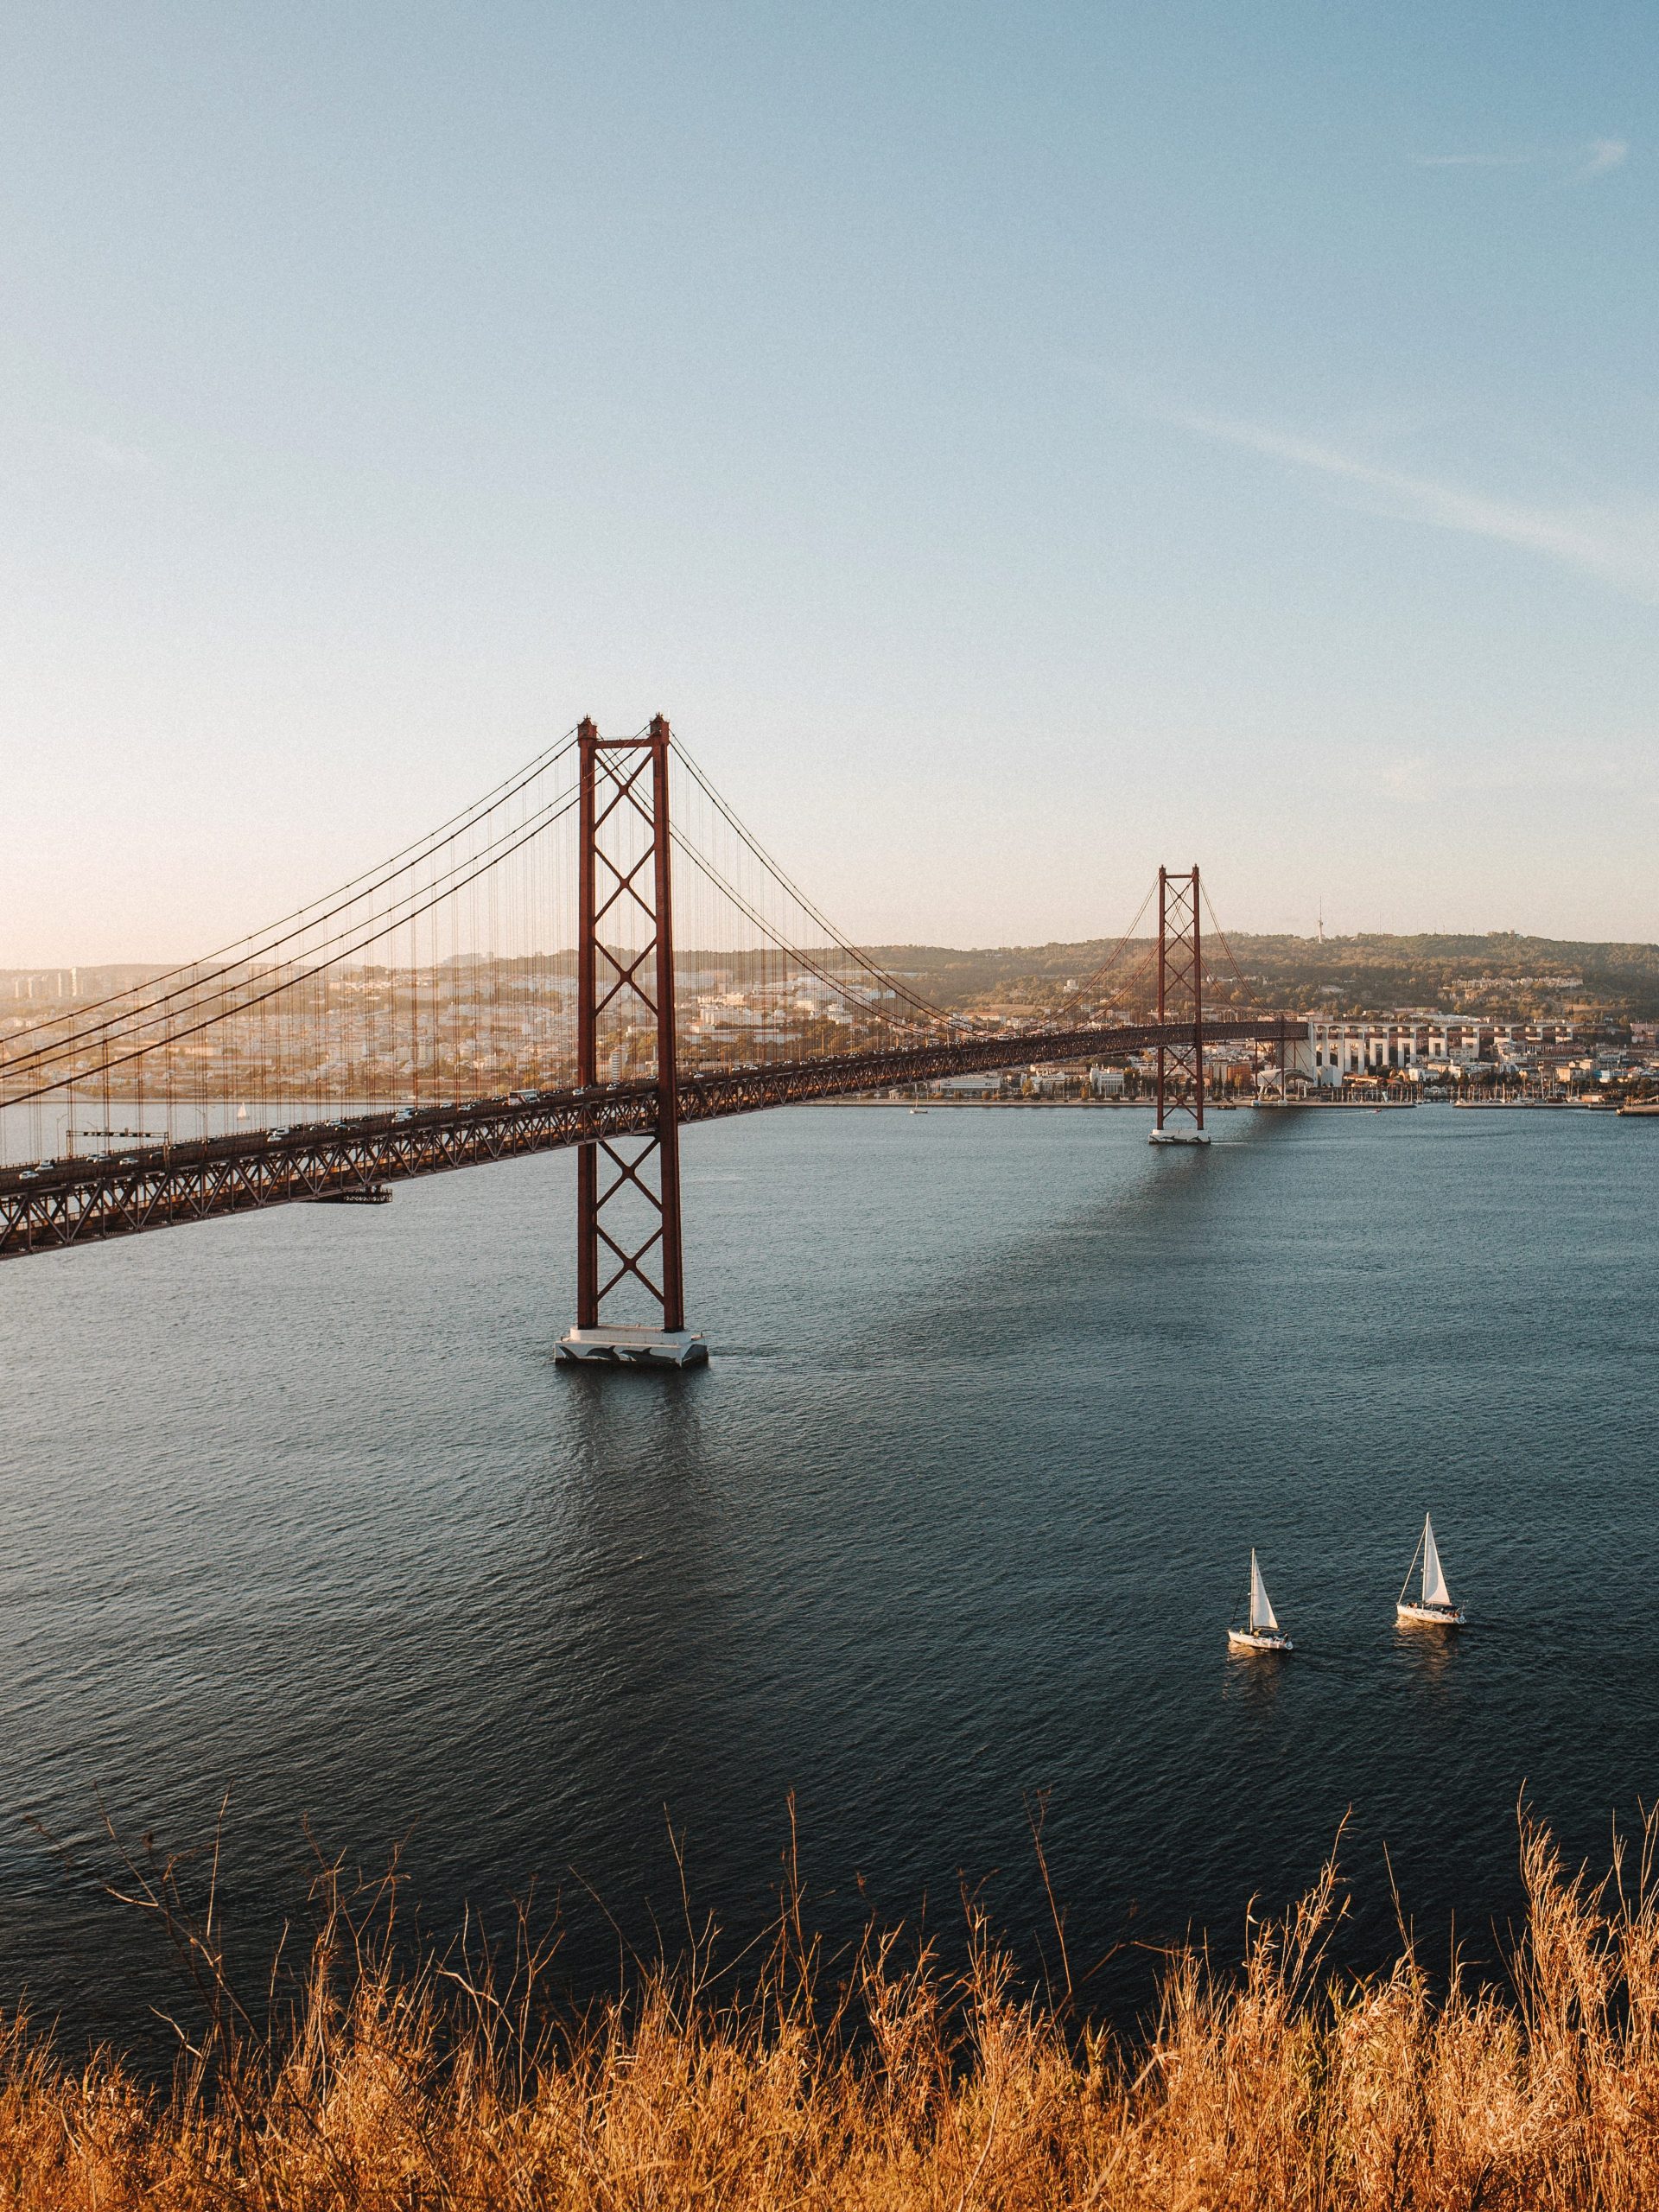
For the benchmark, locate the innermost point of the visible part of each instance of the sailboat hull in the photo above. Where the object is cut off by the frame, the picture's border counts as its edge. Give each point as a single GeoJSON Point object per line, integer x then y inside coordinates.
{"type": "Point", "coordinates": [1416, 1616]}
{"type": "Point", "coordinates": [1257, 1639]}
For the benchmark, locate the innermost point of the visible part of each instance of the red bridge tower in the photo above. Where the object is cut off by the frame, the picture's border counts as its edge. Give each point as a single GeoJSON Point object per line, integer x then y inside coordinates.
{"type": "Point", "coordinates": [629, 1188]}
{"type": "Point", "coordinates": [1181, 983]}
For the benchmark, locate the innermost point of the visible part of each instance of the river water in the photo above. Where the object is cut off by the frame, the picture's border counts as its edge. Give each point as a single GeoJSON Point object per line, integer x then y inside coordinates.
{"type": "Point", "coordinates": [300, 1508]}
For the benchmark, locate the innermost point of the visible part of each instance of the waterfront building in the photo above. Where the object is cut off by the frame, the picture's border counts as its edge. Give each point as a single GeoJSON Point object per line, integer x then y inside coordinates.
{"type": "Point", "coordinates": [1336, 1050]}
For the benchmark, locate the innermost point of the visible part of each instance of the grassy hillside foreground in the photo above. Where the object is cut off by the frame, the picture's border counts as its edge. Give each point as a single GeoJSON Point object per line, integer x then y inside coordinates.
{"type": "Point", "coordinates": [1276, 2086]}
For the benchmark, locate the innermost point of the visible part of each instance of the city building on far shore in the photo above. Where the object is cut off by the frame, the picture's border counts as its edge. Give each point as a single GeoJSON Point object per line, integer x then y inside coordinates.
{"type": "Point", "coordinates": [1337, 1051]}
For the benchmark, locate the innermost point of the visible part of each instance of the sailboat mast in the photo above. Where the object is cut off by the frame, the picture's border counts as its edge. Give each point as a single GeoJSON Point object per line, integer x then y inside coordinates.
{"type": "Point", "coordinates": [1406, 1584]}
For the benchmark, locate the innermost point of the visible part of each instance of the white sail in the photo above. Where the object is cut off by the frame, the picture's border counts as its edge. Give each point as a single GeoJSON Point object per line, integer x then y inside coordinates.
{"type": "Point", "coordinates": [1435, 1590]}
{"type": "Point", "coordinates": [1262, 1612]}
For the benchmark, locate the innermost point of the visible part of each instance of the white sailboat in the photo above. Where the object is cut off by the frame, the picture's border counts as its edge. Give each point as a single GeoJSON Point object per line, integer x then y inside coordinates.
{"type": "Point", "coordinates": [1434, 1608]}
{"type": "Point", "coordinates": [1263, 1632]}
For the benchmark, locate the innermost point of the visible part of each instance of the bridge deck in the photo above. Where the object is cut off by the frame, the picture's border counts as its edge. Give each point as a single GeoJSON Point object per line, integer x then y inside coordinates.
{"type": "Point", "coordinates": [85, 1201]}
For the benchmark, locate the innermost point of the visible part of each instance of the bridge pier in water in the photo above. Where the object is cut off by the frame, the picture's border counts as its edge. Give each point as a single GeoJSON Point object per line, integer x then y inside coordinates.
{"type": "Point", "coordinates": [629, 1188]}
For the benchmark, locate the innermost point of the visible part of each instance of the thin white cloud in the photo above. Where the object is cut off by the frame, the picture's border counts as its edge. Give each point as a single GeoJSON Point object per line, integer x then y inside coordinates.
{"type": "Point", "coordinates": [1576, 163]}
{"type": "Point", "coordinates": [110, 459]}
{"type": "Point", "coordinates": [1473, 161]}
{"type": "Point", "coordinates": [1443, 777]}
{"type": "Point", "coordinates": [1620, 546]}
{"type": "Point", "coordinates": [1605, 153]}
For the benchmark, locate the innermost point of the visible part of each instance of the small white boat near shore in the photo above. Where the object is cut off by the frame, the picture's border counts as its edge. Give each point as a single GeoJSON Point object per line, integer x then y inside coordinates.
{"type": "Point", "coordinates": [1261, 1631]}
{"type": "Point", "coordinates": [1433, 1607]}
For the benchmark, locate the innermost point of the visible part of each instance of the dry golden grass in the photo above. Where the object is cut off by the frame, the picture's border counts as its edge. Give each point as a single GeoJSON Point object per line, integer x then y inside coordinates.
{"type": "Point", "coordinates": [1280, 2086]}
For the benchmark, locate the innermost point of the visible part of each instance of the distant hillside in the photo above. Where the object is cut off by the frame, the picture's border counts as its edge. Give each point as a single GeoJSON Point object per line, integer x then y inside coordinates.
{"type": "Point", "coordinates": [1501, 972]}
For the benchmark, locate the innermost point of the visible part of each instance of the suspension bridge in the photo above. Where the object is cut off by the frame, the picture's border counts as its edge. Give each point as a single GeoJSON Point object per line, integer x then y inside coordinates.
{"type": "Point", "coordinates": [595, 954]}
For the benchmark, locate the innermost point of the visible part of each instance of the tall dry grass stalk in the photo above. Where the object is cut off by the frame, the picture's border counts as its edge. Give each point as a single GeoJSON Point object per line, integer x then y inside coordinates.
{"type": "Point", "coordinates": [1280, 2086]}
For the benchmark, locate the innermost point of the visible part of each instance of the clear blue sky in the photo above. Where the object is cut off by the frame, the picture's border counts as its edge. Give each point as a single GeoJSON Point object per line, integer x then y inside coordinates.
{"type": "Point", "coordinates": [1016, 445]}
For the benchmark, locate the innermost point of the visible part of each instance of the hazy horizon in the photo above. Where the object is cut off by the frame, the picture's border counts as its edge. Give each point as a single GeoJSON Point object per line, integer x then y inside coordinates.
{"type": "Point", "coordinates": [685, 954]}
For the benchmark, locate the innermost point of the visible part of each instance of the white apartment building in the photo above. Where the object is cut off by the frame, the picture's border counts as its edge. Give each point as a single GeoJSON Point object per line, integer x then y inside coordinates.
{"type": "Point", "coordinates": [1334, 1051]}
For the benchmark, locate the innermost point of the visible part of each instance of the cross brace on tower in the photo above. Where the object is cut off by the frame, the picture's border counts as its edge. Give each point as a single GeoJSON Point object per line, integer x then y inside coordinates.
{"type": "Point", "coordinates": [1180, 984]}
{"type": "Point", "coordinates": [628, 1189]}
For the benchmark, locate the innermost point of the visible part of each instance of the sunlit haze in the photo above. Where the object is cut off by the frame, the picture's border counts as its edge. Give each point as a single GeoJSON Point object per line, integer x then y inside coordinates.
{"type": "Point", "coordinates": [1015, 447]}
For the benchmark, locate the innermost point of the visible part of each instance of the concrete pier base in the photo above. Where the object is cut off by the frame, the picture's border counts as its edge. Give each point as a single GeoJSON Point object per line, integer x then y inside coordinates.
{"type": "Point", "coordinates": [1178, 1137]}
{"type": "Point", "coordinates": [633, 1347]}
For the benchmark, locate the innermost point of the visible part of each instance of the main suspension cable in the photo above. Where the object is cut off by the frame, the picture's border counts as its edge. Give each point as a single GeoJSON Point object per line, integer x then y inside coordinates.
{"type": "Point", "coordinates": [262, 943]}
{"type": "Point", "coordinates": [384, 926]}
{"type": "Point", "coordinates": [812, 913]}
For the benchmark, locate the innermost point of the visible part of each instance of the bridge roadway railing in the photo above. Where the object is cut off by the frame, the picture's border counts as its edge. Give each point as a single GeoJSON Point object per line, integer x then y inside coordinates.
{"type": "Point", "coordinates": [63, 1202]}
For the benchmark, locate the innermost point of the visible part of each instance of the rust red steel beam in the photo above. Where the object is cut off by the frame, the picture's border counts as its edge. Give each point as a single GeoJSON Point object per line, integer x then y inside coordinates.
{"type": "Point", "coordinates": [69, 1202]}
